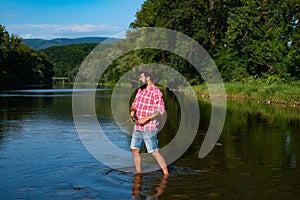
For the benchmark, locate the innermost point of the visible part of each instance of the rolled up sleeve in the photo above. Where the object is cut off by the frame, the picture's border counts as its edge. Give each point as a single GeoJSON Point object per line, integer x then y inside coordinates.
{"type": "Point", "coordinates": [159, 102]}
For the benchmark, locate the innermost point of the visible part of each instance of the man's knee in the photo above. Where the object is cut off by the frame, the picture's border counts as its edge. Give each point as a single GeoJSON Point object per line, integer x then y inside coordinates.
{"type": "Point", "coordinates": [135, 151]}
{"type": "Point", "coordinates": [155, 153]}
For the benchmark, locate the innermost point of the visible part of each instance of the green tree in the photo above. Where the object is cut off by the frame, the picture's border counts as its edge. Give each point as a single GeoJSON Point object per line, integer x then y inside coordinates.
{"type": "Point", "coordinates": [258, 39]}
{"type": "Point", "coordinates": [203, 20]}
{"type": "Point", "coordinates": [21, 65]}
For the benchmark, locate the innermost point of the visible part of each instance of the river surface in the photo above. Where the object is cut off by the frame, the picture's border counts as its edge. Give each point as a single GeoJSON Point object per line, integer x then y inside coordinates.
{"type": "Point", "coordinates": [42, 156]}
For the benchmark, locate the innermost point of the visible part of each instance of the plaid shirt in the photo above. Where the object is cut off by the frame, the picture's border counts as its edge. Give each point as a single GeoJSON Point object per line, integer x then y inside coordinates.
{"type": "Point", "coordinates": [147, 102]}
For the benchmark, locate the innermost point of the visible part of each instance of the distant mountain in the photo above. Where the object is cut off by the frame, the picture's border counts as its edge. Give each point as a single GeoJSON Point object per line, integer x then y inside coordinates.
{"type": "Point", "coordinates": [39, 44]}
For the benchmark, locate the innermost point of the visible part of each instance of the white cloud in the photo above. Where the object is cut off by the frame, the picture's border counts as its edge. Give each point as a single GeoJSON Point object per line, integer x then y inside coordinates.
{"type": "Point", "coordinates": [11, 15]}
{"type": "Point", "coordinates": [27, 35]}
{"type": "Point", "coordinates": [49, 31]}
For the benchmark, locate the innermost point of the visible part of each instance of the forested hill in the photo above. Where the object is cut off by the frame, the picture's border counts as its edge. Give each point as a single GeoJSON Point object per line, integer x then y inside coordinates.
{"type": "Point", "coordinates": [39, 44]}
{"type": "Point", "coordinates": [66, 59]}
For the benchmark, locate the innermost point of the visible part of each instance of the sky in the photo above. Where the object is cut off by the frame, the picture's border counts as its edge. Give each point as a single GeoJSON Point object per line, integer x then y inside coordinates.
{"type": "Point", "coordinates": [48, 19]}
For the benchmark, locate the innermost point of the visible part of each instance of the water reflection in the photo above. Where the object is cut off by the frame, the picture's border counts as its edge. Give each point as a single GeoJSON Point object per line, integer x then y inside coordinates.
{"type": "Point", "coordinates": [40, 153]}
{"type": "Point", "coordinates": [158, 189]}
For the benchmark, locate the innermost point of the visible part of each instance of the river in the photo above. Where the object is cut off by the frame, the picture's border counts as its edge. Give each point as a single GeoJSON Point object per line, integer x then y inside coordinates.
{"type": "Point", "coordinates": [42, 156]}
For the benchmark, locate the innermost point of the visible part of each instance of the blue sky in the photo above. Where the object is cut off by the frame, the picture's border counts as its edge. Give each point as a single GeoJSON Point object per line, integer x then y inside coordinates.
{"type": "Point", "coordinates": [49, 19]}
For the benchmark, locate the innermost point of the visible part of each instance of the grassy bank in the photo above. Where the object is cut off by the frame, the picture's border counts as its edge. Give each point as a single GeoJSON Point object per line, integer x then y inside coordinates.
{"type": "Point", "coordinates": [279, 93]}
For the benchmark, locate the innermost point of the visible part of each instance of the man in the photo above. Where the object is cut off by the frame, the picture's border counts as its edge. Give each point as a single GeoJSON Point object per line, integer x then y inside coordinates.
{"type": "Point", "coordinates": [146, 107]}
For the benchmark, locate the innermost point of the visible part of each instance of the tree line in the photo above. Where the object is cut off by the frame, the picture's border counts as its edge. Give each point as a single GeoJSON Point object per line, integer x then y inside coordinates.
{"type": "Point", "coordinates": [20, 65]}
{"type": "Point", "coordinates": [247, 39]}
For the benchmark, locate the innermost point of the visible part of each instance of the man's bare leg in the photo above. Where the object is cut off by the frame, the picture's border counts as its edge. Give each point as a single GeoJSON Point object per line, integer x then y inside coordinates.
{"type": "Point", "coordinates": [137, 159]}
{"type": "Point", "coordinates": [161, 161]}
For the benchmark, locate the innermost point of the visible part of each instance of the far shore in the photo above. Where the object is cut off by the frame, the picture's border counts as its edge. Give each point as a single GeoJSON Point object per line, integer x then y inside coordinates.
{"type": "Point", "coordinates": [286, 94]}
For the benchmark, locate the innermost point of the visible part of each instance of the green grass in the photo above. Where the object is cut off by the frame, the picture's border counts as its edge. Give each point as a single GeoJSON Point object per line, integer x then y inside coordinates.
{"type": "Point", "coordinates": [280, 93]}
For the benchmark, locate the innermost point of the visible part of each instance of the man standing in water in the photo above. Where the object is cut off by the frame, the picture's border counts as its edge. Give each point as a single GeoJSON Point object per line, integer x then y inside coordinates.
{"type": "Point", "coordinates": [146, 107]}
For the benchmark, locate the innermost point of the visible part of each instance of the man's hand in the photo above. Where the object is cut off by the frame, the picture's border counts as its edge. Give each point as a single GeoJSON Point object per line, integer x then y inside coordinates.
{"type": "Point", "coordinates": [144, 120]}
{"type": "Point", "coordinates": [132, 114]}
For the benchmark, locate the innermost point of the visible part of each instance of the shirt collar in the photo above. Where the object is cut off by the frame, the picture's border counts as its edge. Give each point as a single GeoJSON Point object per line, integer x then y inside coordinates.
{"type": "Point", "coordinates": [151, 87]}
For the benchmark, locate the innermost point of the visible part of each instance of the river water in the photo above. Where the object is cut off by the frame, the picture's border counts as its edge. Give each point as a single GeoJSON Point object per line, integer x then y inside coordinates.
{"type": "Point", "coordinates": [42, 156]}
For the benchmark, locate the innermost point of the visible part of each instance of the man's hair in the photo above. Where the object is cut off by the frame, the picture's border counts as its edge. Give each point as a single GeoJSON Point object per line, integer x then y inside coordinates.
{"type": "Point", "coordinates": [147, 73]}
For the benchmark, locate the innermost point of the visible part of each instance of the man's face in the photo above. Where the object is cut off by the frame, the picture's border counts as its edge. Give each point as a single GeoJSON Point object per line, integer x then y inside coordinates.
{"type": "Point", "coordinates": [143, 78]}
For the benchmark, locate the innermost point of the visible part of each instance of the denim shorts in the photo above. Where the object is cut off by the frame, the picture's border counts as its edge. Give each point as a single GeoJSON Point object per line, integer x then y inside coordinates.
{"type": "Point", "coordinates": [149, 138]}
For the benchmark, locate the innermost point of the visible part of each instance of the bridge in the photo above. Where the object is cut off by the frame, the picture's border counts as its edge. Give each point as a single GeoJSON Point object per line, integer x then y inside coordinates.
{"type": "Point", "coordinates": [60, 79]}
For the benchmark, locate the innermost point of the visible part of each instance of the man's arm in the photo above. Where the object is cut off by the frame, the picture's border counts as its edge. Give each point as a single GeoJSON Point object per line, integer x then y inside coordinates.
{"type": "Point", "coordinates": [160, 105]}
{"type": "Point", "coordinates": [133, 112]}
{"type": "Point", "coordinates": [148, 118]}
{"type": "Point", "coordinates": [134, 105]}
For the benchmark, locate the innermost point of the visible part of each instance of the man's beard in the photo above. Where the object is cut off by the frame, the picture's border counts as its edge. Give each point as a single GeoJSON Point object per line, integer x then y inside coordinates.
{"type": "Point", "coordinates": [142, 85]}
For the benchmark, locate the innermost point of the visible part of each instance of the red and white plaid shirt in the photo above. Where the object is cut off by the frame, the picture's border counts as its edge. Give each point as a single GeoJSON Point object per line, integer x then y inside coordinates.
{"type": "Point", "coordinates": [148, 101]}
